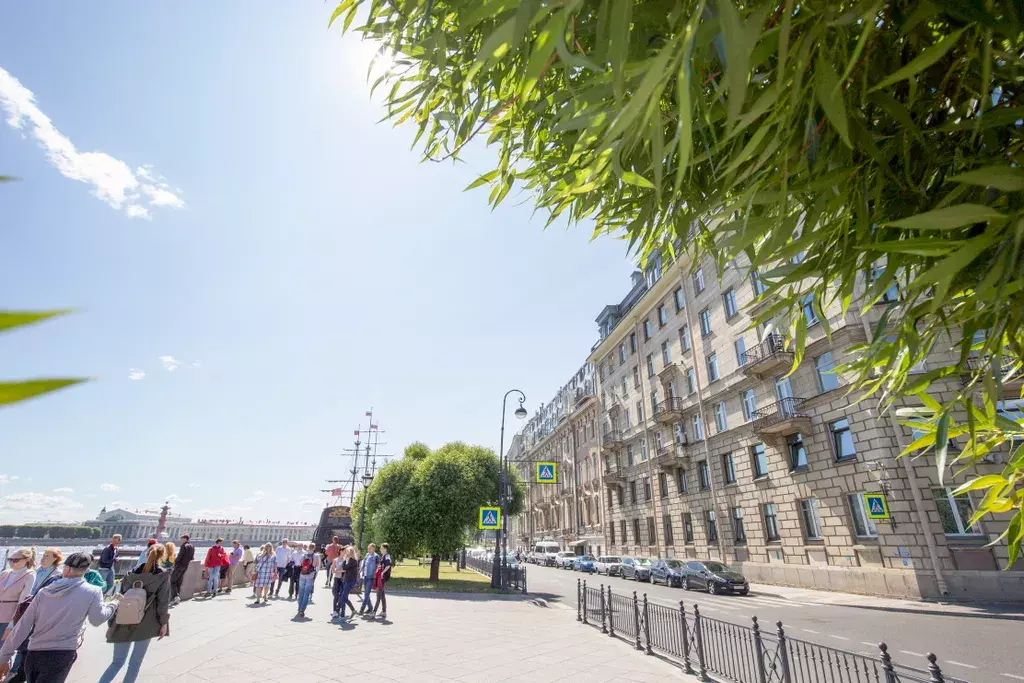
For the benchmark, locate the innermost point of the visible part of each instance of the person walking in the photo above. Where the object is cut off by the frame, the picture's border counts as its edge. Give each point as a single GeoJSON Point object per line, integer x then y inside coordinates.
{"type": "Point", "coordinates": [284, 558]}
{"type": "Point", "coordinates": [216, 560]}
{"type": "Point", "coordinates": [181, 563]}
{"type": "Point", "coordinates": [332, 552]}
{"type": "Point", "coordinates": [337, 573]}
{"type": "Point", "coordinates": [54, 622]}
{"type": "Point", "coordinates": [234, 558]}
{"type": "Point", "coordinates": [298, 551]}
{"type": "Point", "coordinates": [48, 572]}
{"type": "Point", "coordinates": [265, 571]}
{"type": "Point", "coordinates": [350, 573]}
{"type": "Point", "coordinates": [383, 575]}
{"type": "Point", "coordinates": [305, 570]}
{"type": "Point", "coordinates": [108, 558]}
{"type": "Point", "coordinates": [134, 638]}
{"type": "Point", "coordinates": [16, 583]}
{"type": "Point", "coordinates": [248, 559]}
{"type": "Point", "coordinates": [367, 572]}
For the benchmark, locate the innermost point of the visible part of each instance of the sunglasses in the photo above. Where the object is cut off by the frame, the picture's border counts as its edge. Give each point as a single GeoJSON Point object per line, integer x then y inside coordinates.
{"type": "Point", "coordinates": [12, 560]}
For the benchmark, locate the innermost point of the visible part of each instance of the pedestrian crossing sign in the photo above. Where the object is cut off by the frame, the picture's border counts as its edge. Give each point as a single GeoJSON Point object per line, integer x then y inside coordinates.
{"type": "Point", "coordinates": [876, 506]}
{"type": "Point", "coordinates": [547, 473]}
{"type": "Point", "coordinates": [490, 518]}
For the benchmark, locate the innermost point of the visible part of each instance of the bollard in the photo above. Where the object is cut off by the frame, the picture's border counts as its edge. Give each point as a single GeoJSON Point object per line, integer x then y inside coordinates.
{"type": "Point", "coordinates": [611, 611]}
{"type": "Point", "coordinates": [647, 625]}
{"type": "Point", "coordinates": [698, 629]}
{"type": "Point", "coordinates": [890, 674]}
{"type": "Point", "coordinates": [578, 603]}
{"type": "Point", "coordinates": [585, 601]}
{"type": "Point", "coordinates": [686, 638]}
{"type": "Point", "coordinates": [934, 670]}
{"type": "Point", "coordinates": [759, 651]}
{"type": "Point", "coordinates": [783, 654]}
{"type": "Point", "coordinates": [604, 629]}
{"type": "Point", "coordinates": [636, 620]}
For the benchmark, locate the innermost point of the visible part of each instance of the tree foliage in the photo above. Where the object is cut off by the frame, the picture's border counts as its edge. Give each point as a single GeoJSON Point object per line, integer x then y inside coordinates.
{"type": "Point", "coordinates": [830, 142]}
{"type": "Point", "coordinates": [62, 531]}
{"type": "Point", "coordinates": [426, 502]}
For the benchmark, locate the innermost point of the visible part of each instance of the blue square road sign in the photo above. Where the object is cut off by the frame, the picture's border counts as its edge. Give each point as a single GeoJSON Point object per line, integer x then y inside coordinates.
{"type": "Point", "coordinates": [489, 518]}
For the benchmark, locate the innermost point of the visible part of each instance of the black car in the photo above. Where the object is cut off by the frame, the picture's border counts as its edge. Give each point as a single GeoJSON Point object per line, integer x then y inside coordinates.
{"type": "Point", "coordinates": [668, 572]}
{"type": "Point", "coordinates": [714, 577]}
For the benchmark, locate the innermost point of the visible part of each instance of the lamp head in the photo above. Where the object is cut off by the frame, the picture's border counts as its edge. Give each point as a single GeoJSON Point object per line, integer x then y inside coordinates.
{"type": "Point", "coordinates": [521, 413]}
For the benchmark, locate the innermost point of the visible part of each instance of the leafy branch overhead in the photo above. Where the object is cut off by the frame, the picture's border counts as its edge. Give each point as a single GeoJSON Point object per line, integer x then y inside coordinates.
{"type": "Point", "coordinates": [842, 148]}
{"type": "Point", "coordinates": [21, 390]}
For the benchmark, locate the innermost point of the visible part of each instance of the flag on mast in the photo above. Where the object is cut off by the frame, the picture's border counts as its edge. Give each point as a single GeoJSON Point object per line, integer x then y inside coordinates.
{"type": "Point", "coordinates": [369, 412]}
{"type": "Point", "coordinates": [372, 426]}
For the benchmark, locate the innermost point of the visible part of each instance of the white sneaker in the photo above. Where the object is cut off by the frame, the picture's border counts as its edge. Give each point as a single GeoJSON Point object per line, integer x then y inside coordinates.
{"type": "Point", "coordinates": [334, 615]}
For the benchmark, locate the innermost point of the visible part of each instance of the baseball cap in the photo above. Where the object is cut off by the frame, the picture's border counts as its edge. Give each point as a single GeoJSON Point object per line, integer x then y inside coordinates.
{"type": "Point", "coordinates": [78, 561]}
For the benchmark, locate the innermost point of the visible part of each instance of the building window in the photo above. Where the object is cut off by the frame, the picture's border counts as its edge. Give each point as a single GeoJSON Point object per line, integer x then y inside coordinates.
{"type": "Point", "coordinates": [662, 316]}
{"type": "Point", "coordinates": [721, 422]}
{"type": "Point", "coordinates": [737, 522]}
{"type": "Point", "coordinates": [680, 301]}
{"type": "Point", "coordinates": [827, 378]}
{"type": "Point", "coordinates": [684, 337]}
{"type": "Point", "coordinates": [666, 353]}
{"type": "Point", "coordinates": [647, 329]}
{"type": "Point", "coordinates": [749, 400]}
{"type": "Point", "coordinates": [712, 363]}
{"type": "Point", "coordinates": [955, 513]}
{"type": "Point", "coordinates": [698, 281]}
{"type": "Point", "coordinates": [620, 495]}
{"type": "Point", "coordinates": [636, 376]}
{"type": "Point", "coordinates": [759, 460]}
{"type": "Point", "coordinates": [797, 453]}
{"type": "Point", "coordinates": [741, 351]}
{"type": "Point", "coordinates": [663, 484]}
{"type": "Point", "coordinates": [698, 427]}
{"type": "Point", "coordinates": [891, 294]}
{"type": "Point", "coordinates": [626, 414]}
{"type": "Point", "coordinates": [691, 381]}
{"type": "Point", "coordinates": [622, 354]}
{"type": "Point", "coordinates": [680, 435]}
{"type": "Point", "coordinates": [651, 533]}
{"type": "Point", "coordinates": [622, 530]}
{"type": "Point", "coordinates": [681, 480]}
{"type": "Point", "coordinates": [808, 307]}
{"type": "Point", "coordinates": [643, 449]}
{"type": "Point", "coordinates": [729, 300]}
{"type": "Point", "coordinates": [611, 533]}
{"type": "Point", "coordinates": [650, 365]}
{"type": "Point", "coordinates": [654, 403]}
{"type": "Point", "coordinates": [709, 520]}
{"type": "Point", "coordinates": [704, 475]}
{"type": "Point", "coordinates": [842, 439]}
{"type": "Point", "coordinates": [687, 528]}
{"type": "Point", "coordinates": [757, 284]}
{"type": "Point", "coordinates": [728, 469]}
{"type": "Point", "coordinates": [705, 322]}
{"type": "Point", "coordinates": [647, 488]}
{"type": "Point", "coordinates": [632, 492]}
{"type": "Point", "coordinates": [670, 389]}
{"type": "Point", "coordinates": [639, 412]}
{"type": "Point", "coordinates": [625, 387]}
{"type": "Point", "coordinates": [863, 526]}
{"type": "Point", "coordinates": [771, 523]}
{"type": "Point", "coordinates": [812, 520]}
{"type": "Point", "coordinates": [636, 531]}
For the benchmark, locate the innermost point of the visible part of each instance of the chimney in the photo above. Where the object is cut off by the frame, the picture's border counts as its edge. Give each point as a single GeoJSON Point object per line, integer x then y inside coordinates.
{"type": "Point", "coordinates": [636, 278]}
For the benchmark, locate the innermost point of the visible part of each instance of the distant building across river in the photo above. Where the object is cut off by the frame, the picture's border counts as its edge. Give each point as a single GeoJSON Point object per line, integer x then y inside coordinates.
{"type": "Point", "coordinates": [137, 524]}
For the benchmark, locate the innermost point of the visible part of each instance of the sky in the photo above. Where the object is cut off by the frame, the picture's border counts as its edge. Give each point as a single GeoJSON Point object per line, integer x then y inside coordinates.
{"type": "Point", "coordinates": [254, 261]}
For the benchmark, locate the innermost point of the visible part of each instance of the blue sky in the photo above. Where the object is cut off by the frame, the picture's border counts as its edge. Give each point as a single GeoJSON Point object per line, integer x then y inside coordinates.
{"type": "Point", "coordinates": [296, 265]}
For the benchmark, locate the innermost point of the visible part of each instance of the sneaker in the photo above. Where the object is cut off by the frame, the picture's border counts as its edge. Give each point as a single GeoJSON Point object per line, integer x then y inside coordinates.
{"type": "Point", "coordinates": [383, 615]}
{"type": "Point", "coordinates": [333, 615]}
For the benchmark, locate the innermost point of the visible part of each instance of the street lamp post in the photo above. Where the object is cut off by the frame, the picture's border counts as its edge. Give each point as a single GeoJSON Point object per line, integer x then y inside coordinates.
{"type": "Point", "coordinates": [500, 535]}
{"type": "Point", "coordinates": [367, 480]}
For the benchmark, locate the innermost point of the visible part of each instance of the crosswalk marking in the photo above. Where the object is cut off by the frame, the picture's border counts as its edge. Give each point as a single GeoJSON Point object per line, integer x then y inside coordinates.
{"type": "Point", "coordinates": [956, 663]}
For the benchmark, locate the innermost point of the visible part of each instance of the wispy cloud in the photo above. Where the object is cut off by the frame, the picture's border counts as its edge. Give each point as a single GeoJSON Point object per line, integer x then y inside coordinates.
{"type": "Point", "coordinates": [281, 500]}
{"type": "Point", "coordinates": [7, 478]}
{"type": "Point", "coordinates": [258, 495]}
{"type": "Point", "coordinates": [311, 501]}
{"type": "Point", "coordinates": [38, 507]}
{"type": "Point", "coordinates": [170, 363]}
{"type": "Point", "coordinates": [64, 489]}
{"type": "Point", "coordinates": [195, 485]}
{"type": "Point", "coordinates": [110, 487]}
{"type": "Point", "coordinates": [175, 498]}
{"type": "Point", "coordinates": [135, 374]}
{"type": "Point", "coordinates": [113, 181]}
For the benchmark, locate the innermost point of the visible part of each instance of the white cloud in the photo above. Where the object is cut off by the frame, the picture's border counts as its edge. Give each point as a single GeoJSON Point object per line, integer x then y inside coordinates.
{"type": "Point", "coordinates": [310, 501]}
{"type": "Point", "coordinates": [135, 374]}
{"type": "Point", "coordinates": [195, 485]}
{"type": "Point", "coordinates": [175, 498]}
{"type": "Point", "coordinates": [281, 500]}
{"type": "Point", "coordinates": [27, 507]}
{"type": "Point", "coordinates": [232, 512]}
{"type": "Point", "coordinates": [7, 479]}
{"type": "Point", "coordinates": [64, 489]}
{"type": "Point", "coordinates": [258, 495]}
{"type": "Point", "coordinates": [112, 180]}
{"type": "Point", "coordinates": [170, 363]}
{"type": "Point", "coordinates": [110, 487]}
{"type": "Point", "coordinates": [197, 364]}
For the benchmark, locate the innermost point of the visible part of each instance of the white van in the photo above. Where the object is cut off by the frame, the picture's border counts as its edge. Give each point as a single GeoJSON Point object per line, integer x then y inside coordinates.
{"type": "Point", "coordinates": [546, 552]}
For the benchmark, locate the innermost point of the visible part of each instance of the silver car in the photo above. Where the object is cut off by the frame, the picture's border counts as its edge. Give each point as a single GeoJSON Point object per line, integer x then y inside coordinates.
{"type": "Point", "coordinates": [635, 568]}
{"type": "Point", "coordinates": [608, 565]}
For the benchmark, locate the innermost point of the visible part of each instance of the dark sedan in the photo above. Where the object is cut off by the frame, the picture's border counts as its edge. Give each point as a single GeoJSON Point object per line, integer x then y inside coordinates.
{"type": "Point", "coordinates": [714, 577]}
{"type": "Point", "coordinates": [668, 572]}
{"type": "Point", "coordinates": [636, 568]}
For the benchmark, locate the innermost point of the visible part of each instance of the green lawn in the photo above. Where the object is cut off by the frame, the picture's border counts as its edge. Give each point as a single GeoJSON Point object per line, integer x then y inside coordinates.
{"type": "Point", "coordinates": [411, 576]}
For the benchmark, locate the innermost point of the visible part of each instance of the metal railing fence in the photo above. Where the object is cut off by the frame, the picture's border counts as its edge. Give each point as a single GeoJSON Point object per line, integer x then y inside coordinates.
{"type": "Point", "coordinates": [513, 579]}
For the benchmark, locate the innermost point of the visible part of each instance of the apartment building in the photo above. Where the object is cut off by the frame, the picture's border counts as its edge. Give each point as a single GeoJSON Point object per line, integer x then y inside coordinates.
{"type": "Point", "coordinates": [564, 431]}
{"type": "Point", "coordinates": [711, 449]}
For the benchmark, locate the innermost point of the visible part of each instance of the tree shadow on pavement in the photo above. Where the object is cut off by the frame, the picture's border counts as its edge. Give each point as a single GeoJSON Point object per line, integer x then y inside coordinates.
{"type": "Point", "coordinates": [1004, 612]}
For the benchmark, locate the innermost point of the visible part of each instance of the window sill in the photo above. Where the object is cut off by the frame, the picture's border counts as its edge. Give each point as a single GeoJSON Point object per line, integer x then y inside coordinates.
{"type": "Point", "coordinates": [774, 543]}
{"type": "Point", "coordinates": [814, 543]}
{"type": "Point", "coordinates": [966, 540]}
{"type": "Point", "coordinates": [846, 460]}
{"type": "Point", "coordinates": [865, 542]}
{"type": "Point", "coordinates": [803, 469]}
{"type": "Point", "coordinates": [764, 478]}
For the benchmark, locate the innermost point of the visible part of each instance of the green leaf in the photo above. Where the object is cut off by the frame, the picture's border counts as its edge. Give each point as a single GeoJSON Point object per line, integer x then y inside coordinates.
{"type": "Point", "coordinates": [494, 47]}
{"type": "Point", "coordinates": [543, 49]}
{"type": "Point", "coordinates": [339, 10]}
{"type": "Point", "coordinates": [13, 392]}
{"type": "Point", "coordinates": [949, 218]}
{"type": "Point", "coordinates": [618, 50]}
{"type": "Point", "coordinates": [830, 95]}
{"type": "Point", "coordinates": [737, 57]}
{"type": "Point", "coordinates": [483, 180]}
{"type": "Point", "coordinates": [633, 178]}
{"type": "Point", "coordinates": [7, 179]}
{"type": "Point", "coordinates": [924, 60]}
{"type": "Point", "coordinates": [942, 446]}
{"type": "Point", "coordinates": [1005, 178]}
{"type": "Point", "coordinates": [918, 246]}
{"type": "Point", "coordinates": [11, 319]}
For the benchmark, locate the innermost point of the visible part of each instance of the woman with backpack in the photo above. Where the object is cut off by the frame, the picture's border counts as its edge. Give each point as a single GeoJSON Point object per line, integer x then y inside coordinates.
{"type": "Point", "coordinates": [141, 616]}
{"type": "Point", "coordinates": [307, 568]}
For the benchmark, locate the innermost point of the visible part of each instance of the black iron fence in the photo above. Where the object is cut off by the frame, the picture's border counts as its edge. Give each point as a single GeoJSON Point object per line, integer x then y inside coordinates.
{"type": "Point", "coordinates": [744, 654]}
{"type": "Point", "coordinates": [513, 578]}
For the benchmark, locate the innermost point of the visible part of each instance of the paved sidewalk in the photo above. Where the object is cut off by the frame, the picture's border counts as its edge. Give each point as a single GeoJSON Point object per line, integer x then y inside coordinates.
{"type": "Point", "coordinates": [426, 639]}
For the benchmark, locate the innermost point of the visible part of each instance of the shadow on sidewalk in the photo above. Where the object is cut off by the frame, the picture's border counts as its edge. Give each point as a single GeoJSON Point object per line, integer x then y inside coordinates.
{"type": "Point", "coordinates": [511, 597]}
{"type": "Point", "coordinates": [1004, 612]}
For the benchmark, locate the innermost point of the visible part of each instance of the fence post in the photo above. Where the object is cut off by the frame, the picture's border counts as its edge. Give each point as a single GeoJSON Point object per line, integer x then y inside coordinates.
{"type": "Point", "coordinates": [698, 630]}
{"type": "Point", "coordinates": [604, 629]}
{"type": "Point", "coordinates": [647, 625]}
{"type": "Point", "coordinates": [636, 620]}
{"type": "Point", "coordinates": [686, 638]}
{"type": "Point", "coordinates": [934, 670]}
{"type": "Point", "coordinates": [585, 621]}
{"type": "Point", "coordinates": [611, 612]}
{"type": "Point", "coordinates": [759, 651]}
{"type": "Point", "coordinates": [578, 600]}
{"type": "Point", "coordinates": [890, 675]}
{"type": "Point", "coordinates": [783, 654]}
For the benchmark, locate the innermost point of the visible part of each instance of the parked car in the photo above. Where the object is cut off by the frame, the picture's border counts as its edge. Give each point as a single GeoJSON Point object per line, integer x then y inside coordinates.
{"type": "Point", "coordinates": [637, 568]}
{"type": "Point", "coordinates": [608, 564]}
{"type": "Point", "coordinates": [565, 559]}
{"type": "Point", "coordinates": [668, 572]}
{"type": "Point", "coordinates": [714, 577]}
{"type": "Point", "coordinates": [584, 563]}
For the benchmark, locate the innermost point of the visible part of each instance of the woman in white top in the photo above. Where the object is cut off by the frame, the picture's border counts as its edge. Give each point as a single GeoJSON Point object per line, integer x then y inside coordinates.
{"type": "Point", "coordinates": [16, 584]}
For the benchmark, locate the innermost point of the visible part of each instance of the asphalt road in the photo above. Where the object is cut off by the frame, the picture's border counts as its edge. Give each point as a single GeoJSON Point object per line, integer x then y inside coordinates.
{"type": "Point", "coordinates": [977, 643]}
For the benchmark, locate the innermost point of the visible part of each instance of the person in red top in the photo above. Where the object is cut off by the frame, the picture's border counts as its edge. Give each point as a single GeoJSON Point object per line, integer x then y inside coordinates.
{"type": "Point", "coordinates": [333, 552]}
{"type": "Point", "coordinates": [216, 560]}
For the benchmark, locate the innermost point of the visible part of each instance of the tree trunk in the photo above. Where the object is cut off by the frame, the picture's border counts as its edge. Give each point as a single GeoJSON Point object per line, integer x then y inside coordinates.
{"type": "Point", "coordinates": [435, 567]}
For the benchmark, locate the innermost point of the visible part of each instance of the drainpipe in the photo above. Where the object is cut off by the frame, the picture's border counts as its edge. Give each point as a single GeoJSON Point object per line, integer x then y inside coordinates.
{"type": "Point", "coordinates": [599, 427]}
{"type": "Point", "coordinates": [647, 436]}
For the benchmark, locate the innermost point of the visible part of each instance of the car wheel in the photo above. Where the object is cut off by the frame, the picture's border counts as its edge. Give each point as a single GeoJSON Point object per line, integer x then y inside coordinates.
{"type": "Point", "coordinates": [744, 591]}
{"type": "Point", "coordinates": [711, 587]}
{"type": "Point", "coordinates": [686, 584]}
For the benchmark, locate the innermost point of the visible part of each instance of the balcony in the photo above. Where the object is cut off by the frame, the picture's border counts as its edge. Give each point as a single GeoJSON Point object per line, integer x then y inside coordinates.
{"type": "Point", "coordinates": [614, 474]}
{"type": "Point", "coordinates": [669, 410]}
{"type": "Point", "coordinates": [670, 456]}
{"type": "Point", "coordinates": [767, 358]}
{"type": "Point", "coordinates": [782, 417]}
{"type": "Point", "coordinates": [974, 364]}
{"type": "Point", "coordinates": [612, 439]}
